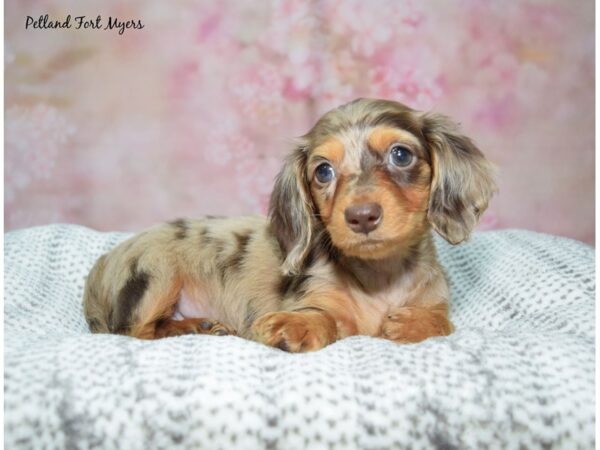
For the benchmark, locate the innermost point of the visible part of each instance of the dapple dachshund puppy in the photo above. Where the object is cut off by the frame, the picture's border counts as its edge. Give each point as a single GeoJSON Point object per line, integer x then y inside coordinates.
{"type": "Point", "coordinates": [346, 248]}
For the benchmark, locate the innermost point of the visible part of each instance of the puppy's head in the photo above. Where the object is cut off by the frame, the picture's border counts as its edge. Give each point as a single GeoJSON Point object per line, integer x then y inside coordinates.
{"type": "Point", "coordinates": [373, 176]}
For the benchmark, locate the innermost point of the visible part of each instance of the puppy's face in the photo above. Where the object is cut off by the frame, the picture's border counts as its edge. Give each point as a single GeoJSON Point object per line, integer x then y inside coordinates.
{"type": "Point", "coordinates": [375, 175]}
{"type": "Point", "coordinates": [370, 186]}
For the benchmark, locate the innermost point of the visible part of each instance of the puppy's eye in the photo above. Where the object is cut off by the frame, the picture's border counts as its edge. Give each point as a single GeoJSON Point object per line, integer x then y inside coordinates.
{"type": "Point", "coordinates": [401, 156]}
{"type": "Point", "coordinates": [324, 173]}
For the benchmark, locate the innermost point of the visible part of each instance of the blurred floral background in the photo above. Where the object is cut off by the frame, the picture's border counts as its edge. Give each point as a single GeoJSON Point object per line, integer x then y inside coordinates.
{"type": "Point", "coordinates": [192, 114]}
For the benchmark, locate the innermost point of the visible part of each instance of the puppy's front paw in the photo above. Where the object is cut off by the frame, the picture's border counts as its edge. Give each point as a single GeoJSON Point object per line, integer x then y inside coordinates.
{"type": "Point", "coordinates": [414, 324]}
{"type": "Point", "coordinates": [295, 331]}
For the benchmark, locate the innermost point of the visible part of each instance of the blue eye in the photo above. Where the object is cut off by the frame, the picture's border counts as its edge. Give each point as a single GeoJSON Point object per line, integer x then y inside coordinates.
{"type": "Point", "coordinates": [324, 173]}
{"type": "Point", "coordinates": [401, 156]}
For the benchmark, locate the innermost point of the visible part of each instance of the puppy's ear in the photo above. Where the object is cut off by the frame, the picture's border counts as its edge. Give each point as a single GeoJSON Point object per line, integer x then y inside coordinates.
{"type": "Point", "coordinates": [291, 211]}
{"type": "Point", "coordinates": [462, 183]}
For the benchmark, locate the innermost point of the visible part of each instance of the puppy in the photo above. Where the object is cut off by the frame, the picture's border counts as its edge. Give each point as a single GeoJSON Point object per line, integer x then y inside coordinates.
{"type": "Point", "coordinates": [346, 248]}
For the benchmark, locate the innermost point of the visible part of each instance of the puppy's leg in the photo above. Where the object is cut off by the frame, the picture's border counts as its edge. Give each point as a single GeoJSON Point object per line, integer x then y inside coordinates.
{"type": "Point", "coordinates": [410, 324]}
{"type": "Point", "coordinates": [146, 301]}
{"type": "Point", "coordinates": [308, 325]}
{"type": "Point", "coordinates": [153, 318]}
{"type": "Point", "coordinates": [169, 327]}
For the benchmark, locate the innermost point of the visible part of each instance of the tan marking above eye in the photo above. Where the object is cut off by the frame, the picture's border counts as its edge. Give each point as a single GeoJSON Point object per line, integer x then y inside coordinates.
{"type": "Point", "coordinates": [332, 150]}
{"type": "Point", "coordinates": [382, 138]}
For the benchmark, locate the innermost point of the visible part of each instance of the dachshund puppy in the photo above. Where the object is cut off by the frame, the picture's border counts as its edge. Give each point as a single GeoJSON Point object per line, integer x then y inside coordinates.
{"type": "Point", "coordinates": [346, 248]}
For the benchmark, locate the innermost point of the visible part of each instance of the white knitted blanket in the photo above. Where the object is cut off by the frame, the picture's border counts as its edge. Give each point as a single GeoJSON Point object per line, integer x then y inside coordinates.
{"type": "Point", "coordinates": [517, 373]}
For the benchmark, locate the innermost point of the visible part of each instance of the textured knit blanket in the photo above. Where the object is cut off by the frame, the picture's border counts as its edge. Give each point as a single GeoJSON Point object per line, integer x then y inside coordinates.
{"type": "Point", "coordinates": [517, 373]}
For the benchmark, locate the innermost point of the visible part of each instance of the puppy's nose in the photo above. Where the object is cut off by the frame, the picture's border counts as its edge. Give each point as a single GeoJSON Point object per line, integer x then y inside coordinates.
{"type": "Point", "coordinates": [363, 218]}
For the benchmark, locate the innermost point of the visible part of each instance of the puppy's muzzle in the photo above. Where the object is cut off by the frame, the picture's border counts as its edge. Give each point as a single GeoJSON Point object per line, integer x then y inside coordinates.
{"type": "Point", "coordinates": [363, 218]}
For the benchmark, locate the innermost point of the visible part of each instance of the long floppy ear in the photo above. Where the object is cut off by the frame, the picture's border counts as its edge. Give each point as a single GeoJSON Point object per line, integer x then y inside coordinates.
{"type": "Point", "coordinates": [462, 183]}
{"type": "Point", "coordinates": [291, 211]}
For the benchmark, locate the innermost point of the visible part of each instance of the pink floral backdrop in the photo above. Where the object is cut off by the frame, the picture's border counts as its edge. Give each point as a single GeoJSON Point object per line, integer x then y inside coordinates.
{"type": "Point", "coordinates": [192, 114]}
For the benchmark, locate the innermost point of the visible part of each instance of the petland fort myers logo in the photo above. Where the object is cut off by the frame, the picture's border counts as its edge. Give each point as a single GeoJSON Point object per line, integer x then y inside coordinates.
{"type": "Point", "coordinates": [82, 23]}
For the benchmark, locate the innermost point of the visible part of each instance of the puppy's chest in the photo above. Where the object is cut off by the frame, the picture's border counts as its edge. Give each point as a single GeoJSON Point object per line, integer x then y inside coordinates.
{"type": "Point", "coordinates": [373, 292]}
{"type": "Point", "coordinates": [384, 296]}
{"type": "Point", "coordinates": [371, 306]}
